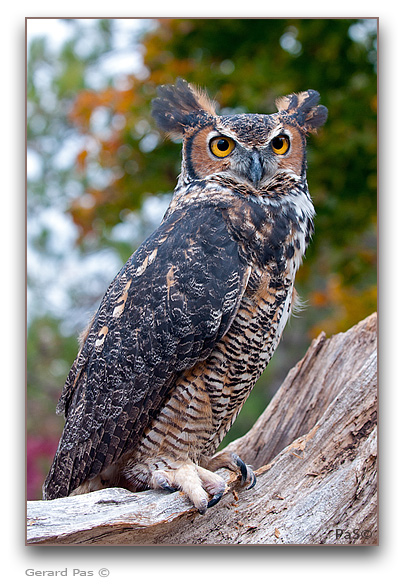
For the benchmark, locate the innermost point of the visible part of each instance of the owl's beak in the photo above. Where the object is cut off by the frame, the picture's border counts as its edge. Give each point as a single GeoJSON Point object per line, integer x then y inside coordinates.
{"type": "Point", "coordinates": [256, 169]}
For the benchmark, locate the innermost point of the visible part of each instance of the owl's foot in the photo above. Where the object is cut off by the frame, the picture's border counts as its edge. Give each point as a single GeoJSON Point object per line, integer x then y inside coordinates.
{"type": "Point", "coordinates": [195, 481]}
{"type": "Point", "coordinates": [233, 462]}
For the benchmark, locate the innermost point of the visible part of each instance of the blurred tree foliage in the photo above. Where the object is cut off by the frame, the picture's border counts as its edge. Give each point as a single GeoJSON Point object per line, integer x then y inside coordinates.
{"type": "Point", "coordinates": [115, 159]}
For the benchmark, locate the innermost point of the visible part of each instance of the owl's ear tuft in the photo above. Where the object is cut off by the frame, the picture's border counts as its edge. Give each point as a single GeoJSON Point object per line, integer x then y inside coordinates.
{"type": "Point", "coordinates": [176, 106]}
{"type": "Point", "coordinates": [303, 107]}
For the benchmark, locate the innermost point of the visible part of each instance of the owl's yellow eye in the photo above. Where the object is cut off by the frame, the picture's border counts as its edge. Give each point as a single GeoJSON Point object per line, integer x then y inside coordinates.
{"type": "Point", "coordinates": [280, 144]}
{"type": "Point", "coordinates": [221, 146]}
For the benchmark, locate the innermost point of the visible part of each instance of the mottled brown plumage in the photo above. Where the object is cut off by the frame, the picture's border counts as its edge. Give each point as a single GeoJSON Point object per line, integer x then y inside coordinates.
{"type": "Point", "coordinates": [192, 319]}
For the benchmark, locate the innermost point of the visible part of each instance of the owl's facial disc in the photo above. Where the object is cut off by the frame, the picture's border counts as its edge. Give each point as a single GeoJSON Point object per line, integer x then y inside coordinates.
{"type": "Point", "coordinates": [236, 159]}
{"type": "Point", "coordinates": [223, 152]}
{"type": "Point", "coordinates": [239, 153]}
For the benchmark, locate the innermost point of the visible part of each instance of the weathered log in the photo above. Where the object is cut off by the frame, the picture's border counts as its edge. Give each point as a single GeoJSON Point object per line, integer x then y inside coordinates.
{"type": "Point", "coordinates": [315, 451]}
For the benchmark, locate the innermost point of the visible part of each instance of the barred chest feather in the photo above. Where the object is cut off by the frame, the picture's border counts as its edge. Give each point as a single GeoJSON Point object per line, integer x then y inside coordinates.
{"type": "Point", "coordinates": [272, 236]}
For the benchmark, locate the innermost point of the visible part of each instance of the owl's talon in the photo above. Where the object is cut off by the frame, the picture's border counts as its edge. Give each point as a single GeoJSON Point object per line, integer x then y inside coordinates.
{"type": "Point", "coordinates": [161, 482]}
{"type": "Point", "coordinates": [202, 507]}
{"type": "Point", "coordinates": [215, 499]}
{"type": "Point", "coordinates": [247, 472]}
{"type": "Point", "coordinates": [242, 466]}
{"type": "Point", "coordinates": [169, 489]}
{"type": "Point", "coordinates": [253, 480]}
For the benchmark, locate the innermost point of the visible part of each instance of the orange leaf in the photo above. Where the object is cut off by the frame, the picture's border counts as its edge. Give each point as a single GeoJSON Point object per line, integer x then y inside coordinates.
{"type": "Point", "coordinates": [81, 159]}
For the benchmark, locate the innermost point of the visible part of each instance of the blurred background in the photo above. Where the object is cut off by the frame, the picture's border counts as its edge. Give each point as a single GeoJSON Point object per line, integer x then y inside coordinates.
{"type": "Point", "coordinates": [100, 175]}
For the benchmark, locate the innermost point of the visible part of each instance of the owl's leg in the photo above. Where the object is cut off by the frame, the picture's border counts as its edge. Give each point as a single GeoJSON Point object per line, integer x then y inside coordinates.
{"type": "Point", "coordinates": [233, 462]}
{"type": "Point", "coordinates": [195, 481]}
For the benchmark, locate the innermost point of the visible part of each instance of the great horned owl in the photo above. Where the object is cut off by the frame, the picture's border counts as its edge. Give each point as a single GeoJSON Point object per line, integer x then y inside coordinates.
{"type": "Point", "coordinates": [192, 319]}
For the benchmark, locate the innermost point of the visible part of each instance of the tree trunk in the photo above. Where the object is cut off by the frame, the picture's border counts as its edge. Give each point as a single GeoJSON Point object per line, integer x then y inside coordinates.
{"type": "Point", "coordinates": [315, 451]}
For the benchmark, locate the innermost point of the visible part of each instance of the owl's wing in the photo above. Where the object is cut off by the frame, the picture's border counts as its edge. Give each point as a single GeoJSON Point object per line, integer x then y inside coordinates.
{"type": "Point", "coordinates": [165, 310]}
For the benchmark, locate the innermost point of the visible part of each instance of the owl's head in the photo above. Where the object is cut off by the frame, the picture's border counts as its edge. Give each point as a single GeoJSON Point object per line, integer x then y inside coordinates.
{"type": "Point", "coordinates": [248, 148]}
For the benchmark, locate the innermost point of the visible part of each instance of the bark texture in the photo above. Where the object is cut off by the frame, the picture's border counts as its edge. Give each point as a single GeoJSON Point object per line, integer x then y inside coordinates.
{"type": "Point", "coordinates": [315, 451]}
